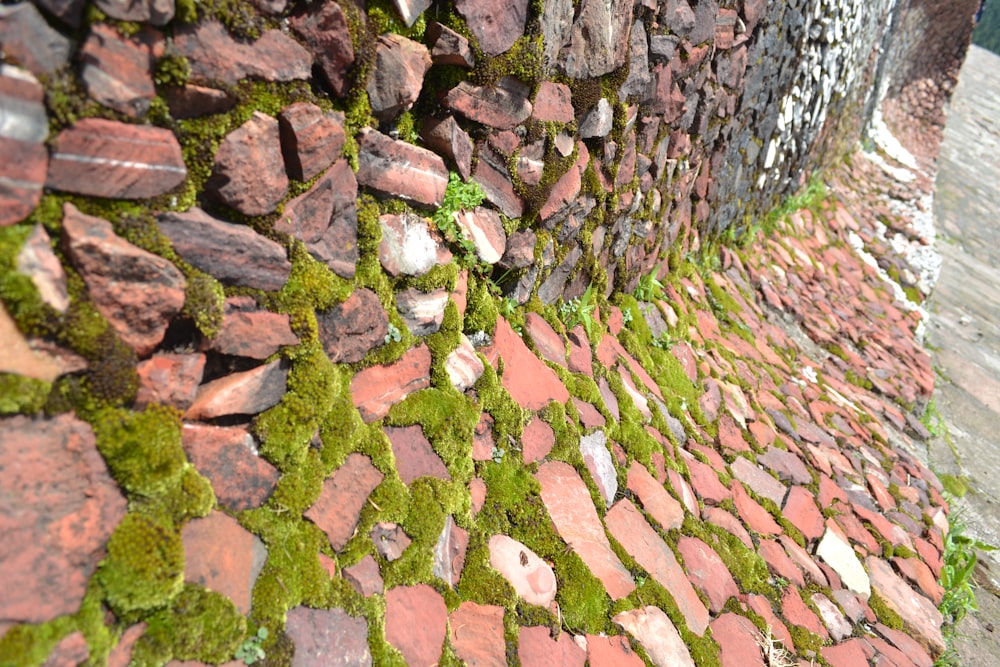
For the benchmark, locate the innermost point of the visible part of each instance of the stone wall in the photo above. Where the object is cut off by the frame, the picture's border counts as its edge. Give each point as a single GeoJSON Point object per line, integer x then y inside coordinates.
{"type": "Point", "coordinates": [694, 119]}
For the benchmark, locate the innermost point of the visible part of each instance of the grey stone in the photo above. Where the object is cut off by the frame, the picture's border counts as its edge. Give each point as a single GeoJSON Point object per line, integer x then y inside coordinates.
{"type": "Point", "coordinates": [598, 121]}
{"type": "Point", "coordinates": [599, 39]}
{"type": "Point", "coordinates": [235, 254]}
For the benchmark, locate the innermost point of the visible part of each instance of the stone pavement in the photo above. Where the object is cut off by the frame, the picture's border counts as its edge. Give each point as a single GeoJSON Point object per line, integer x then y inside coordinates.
{"type": "Point", "coordinates": [726, 464]}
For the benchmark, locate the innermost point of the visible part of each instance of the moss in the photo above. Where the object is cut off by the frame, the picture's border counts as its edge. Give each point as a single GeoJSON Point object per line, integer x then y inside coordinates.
{"type": "Point", "coordinates": [200, 625]}
{"type": "Point", "coordinates": [448, 420]}
{"type": "Point", "coordinates": [746, 566]}
{"type": "Point", "coordinates": [144, 568]}
{"type": "Point", "coordinates": [481, 311]}
{"type": "Point", "coordinates": [286, 430]}
{"type": "Point", "coordinates": [190, 498]}
{"type": "Point", "coordinates": [172, 69]}
{"type": "Point", "coordinates": [383, 17]}
{"type": "Point", "coordinates": [142, 449]}
{"type": "Point", "coordinates": [21, 394]}
{"type": "Point", "coordinates": [204, 302]}
{"type": "Point", "coordinates": [806, 643]}
{"type": "Point", "coordinates": [30, 645]}
{"type": "Point", "coordinates": [884, 613]}
{"type": "Point", "coordinates": [523, 61]}
{"type": "Point", "coordinates": [310, 285]}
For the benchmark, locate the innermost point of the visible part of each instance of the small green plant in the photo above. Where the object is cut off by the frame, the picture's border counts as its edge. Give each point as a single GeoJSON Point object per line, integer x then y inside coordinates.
{"type": "Point", "coordinates": [251, 651]}
{"type": "Point", "coordinates": [649, 288]}
{"type": "Point", "coordinates": [496, 453]}
{"type": "Point", "coordinates": [932, 419]}
{"type": "Point", "coordinates": [394, 335]}
{"type": "Point", "coordinates": [580, 310]}
{"type": "Point", "coordinates": [960, 560]}
{"type": "Point", "coordinates": [664, 341]}
{"type": "Point", "coordinates": [458, 196]}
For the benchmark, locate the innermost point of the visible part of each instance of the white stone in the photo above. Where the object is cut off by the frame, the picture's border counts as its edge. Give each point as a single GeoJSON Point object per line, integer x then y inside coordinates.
{"type": "Point", "coordinates": [529, 575]}
{"type": "Point", "coordinates": [595, 447]}
{"type": "Point", "coordinates": [463, 365]}
{"type": "Point", "coordinates": [839, 555]}
{"type": "Point", "coordinates": [653, 629]}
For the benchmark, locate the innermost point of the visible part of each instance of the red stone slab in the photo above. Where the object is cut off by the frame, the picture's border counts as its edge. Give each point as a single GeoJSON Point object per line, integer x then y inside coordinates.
{"type": "Point", "coordinates": [626, 525]}
{"type": "Point", "coordinates": [572, 511]}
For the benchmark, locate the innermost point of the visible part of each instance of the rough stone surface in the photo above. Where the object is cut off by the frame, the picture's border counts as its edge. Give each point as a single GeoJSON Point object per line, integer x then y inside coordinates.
{"type": "Point", "coordinates": [157, 12]}
{"type": "Point", "coordinates": [658, 636]}
{"type": "Point", "coordinates": [530, 576]}
{"type": "Point", "coordinates": [496, 26]}
{"type": "Point", "coordinates": [310, 140]}
{"type": "Point", "coordinates": [409, 246]}
{"type": "Point", "coordinates": [390, 540]}
{"type": "Point", "coordinates": [463, 365]}
{"type": "Point", "coordinates": [138, 292]}
{"type": "Point", "coordinates": [534, 384]}
{"type": "Point", "coordinates": [449, 552]}
{"type": "Point", "coordinates": [325, 218]}
{"type": "Point", "coordinates": [553, 103]}
{"type": "Point", "coordinates": [537, 440]}
{"type": "Point", "coordinates": [170, 379]}
{"type": "Point", "coordinates": [920, 617]}
{"type": "Point", "coordinates": [477, 635]}
{"type": "Point", "coordinates": [222, 556]}
{"type": "Point", "coordinates": [324, 29]}
{"type": "Point", "coordinates": [194, 101]}
{"type": "Point", "coordinates": [37, 261]}
{"type": "Point", "coordinates": [126, 161]}
{"type": "Point", "coordinates": [605, 651]}
{"type": "Point", "coordinates": [483, 227]}
{"type": "Point", "coordinates": [215, 57]}
{"type": "Point", "coordinates": [117, 72]}
{"type": "Point", "coordinates": [249, 173]}
{"type": "Point", "coordinates": [328, 638]}
{"type": "Point", "coordinates": [410, 10]}
{"type": "Point", "coordinates": [706, 570]}
{"type": "Point", "coordinates": [377, 388]}
{"type": "Point", "coordinates": [655, 499]}
{"type": "Point", "coordinates": [545, 339]}
{"type": "Point", "coordinates": [423, 312]}
{"type": "Point", "coordinates": [249, 331]}
{"type": "Point", "coordinates": [599, 39]}
{"type": "Point", "coordinates": [70, 650]}
{"type": "Point", "coordinates": [414, 455]}
{"type": "Point", "coordinates": [394, 168]}
{"type": "Point", "coordinates": [352, 328]}
{"type": "Point", "coordinates": [572, 511]}
{"type": "Point", "coordinates": [58, 510]}
{"type": "Point", "coordinates": [597, 458]}
{"type": "Point", "coordinates": [839, 555]}
{"type": "Point", "coordinates": [398, 75]}
{"type": "Point", "coordinates": [227, 456]}
{"type": "Point", "coordinates": [364, 577]}
{"type": "Point", "coordinates": [415, 623]}
{"type": "Point", "coordinates": [234, 254]}
{"type": "Point", "coordinates": [29, 40]}
{"type": "Point", "coordinates": [446, 137]}
{"type": "Point", "coordinates": [626, 524]}
{"type": "Point", "coordinates": [247, 393]}
{"type": "Point", "coordinates": [448, 47]}
{"type": "Point", "coordinates": [738, 640]}
{"type": "Point", "coordinates": [338, 507]}
{"type": "Point", "coordinates": [31, 359]}
{"type": "Point", "coordinates": [502, 106]}
{"type": "Point", "coordinates": [535, 646]}
{"type": "Point", "coordinates": [22, 176]}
